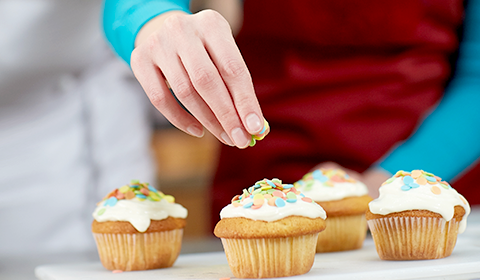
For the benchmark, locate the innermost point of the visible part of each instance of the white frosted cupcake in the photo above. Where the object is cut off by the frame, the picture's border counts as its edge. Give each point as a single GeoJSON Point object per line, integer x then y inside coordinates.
{"type": "Point", "coordinates": [345, 200]}
{"type": "Point", "coordinates": [417, 216]}
{"type": "Point", "coordinates": [270, 231]}
{"type": "Point", "coordinates": [137, 227]}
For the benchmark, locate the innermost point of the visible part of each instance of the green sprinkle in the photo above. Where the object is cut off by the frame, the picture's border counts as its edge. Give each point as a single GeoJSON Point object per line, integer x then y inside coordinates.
{"type": "Point", "coordinates": [134, 182]}
{"type": "Point", "coordinates": [101, 211]}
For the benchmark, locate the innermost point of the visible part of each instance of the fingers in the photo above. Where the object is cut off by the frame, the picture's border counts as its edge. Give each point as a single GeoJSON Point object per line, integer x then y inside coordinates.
{"type": "Point", "coordinates": [234, 72]}
{"type": "Point", "coordinates": [198, 57]}
{"type": "Point", "coordinates": [193, 102]}
{"type": "Point", "coordinates": [153, 84]}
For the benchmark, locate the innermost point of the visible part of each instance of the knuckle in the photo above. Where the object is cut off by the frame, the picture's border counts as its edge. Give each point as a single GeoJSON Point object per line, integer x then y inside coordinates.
{"type": "Point", "coordinates": [182, 89]}
{"type": "Point", "coordinates": [234, 69]}
{"type": "Point", "coordinates": [203, 78]}
{"type": "Point", "coordinates": [156, 98]}
{"type": "Point", "coordinates": [175, 23]}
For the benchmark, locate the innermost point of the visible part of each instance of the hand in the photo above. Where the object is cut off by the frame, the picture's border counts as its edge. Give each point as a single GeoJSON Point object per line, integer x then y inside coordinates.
{"type": "Point", "coordinates": [197, 56]}
{"type": "Point", "coordinates": [372, 178]}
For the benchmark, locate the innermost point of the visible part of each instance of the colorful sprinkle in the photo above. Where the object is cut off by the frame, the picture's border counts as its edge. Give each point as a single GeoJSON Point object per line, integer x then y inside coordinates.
{"type": "Point", "coordinates": [422, 181]}
{"type": "Point", "coordinates": [111, 201]}
{"type": "Point", "coordinates": [279, 202]}
{"type": "Point", "coordinates": [436, 190]}
{"type": "Point", "coordinates": [135, 190]}
{"type": "Point", "coordinates": [416, 174]}
{"type": "Point", "coordinates": [307, 199]}
{"type": "Point", "coordinates": [101, 211]}
{"type": "Point", "coordinates": [248, 205]}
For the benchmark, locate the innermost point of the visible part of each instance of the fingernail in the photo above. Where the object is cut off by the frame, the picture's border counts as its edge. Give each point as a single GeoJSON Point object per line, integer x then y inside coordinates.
{"type": "Point", "coordinates": [195, 131]}
{"type": "Point", "coordinates": [227, 139]}
{"type": "Point", "coordinates": [239, 137]}
{"type": "Point", "coordinates": [253, 123]}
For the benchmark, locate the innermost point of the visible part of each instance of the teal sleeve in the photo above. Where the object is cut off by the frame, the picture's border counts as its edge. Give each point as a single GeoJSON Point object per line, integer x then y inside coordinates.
{"type": "Point", "coordinates": [448, 141]}
{"type": "Point", "coordinates": [123, 19]}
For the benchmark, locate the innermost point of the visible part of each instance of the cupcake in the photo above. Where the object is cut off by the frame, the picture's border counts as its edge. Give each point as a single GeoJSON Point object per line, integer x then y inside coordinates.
{"type": "Point", "coordinates": [270, 231]}
{"type": "Point", "coordinates": [345, 200]}
{"type": "Point", "coordinates": [137, 227]}
{"type": "Point", "coordinates": [417, 216]}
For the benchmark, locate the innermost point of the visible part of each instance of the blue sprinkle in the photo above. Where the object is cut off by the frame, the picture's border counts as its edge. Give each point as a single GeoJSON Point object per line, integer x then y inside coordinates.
{"type": "Point", "coordinates": [279, 202]}
{"type": "Point", "coordinates": [257, 186]}
{"type": "Point", "coordinates": [431, 179]}
{"type": "Point", "coordinates": [291, 200]}
{"type": "Point", "coordinates": [287, 186]}
{"type": "Point", "coordinates": [302, 195]}
{"type": "Point", "coordinates": [301, 182]}
{"type": "Point", "coordinates": [111, 201]}
{"type": "Point", "coordinates": [407, 180]}
{"type": "Point", "coordinates": [152, 189]}
{"type": "Point", "coordinates": [318, 175]}
{"type": "Point", "coordinates": [271, 184]}
{"type": "Point", "coordinates": [263, 130]}
{"type": "Point", "coordinates": [248, 205]}
{"type": "Point", "coordinates": [405, 188]}
{"type": "Point", "coordinates": [414, 185]}
{"type": "Point", "coordinates": [251, 196]}
{"type": "Point", "coordinates": [141, 196]}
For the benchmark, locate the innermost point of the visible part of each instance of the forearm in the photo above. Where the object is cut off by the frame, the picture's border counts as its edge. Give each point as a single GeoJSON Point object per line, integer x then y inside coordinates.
{"type": "Point", "coordinates": [448, 140]}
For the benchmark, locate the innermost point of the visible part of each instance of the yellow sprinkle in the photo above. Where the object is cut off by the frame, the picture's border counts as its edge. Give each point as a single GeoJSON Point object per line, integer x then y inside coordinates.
{"type": "Point", "coordinates": [169, 198]}
{"type": "Point", "coordinates": [154, 196]}
{"type": "Point", "coordinates": [124, 189]}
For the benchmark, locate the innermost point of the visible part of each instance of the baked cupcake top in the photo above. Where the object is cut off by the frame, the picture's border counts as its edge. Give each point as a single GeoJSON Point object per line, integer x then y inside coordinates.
{"type": "Point", "coordinates": [270, 200]}
{"type": "Point", "coordinates": [419, 190]}
{"type": "Point", "coordinates": [330, 184]}
{"type": "Point", "coordinates": [137, 203]}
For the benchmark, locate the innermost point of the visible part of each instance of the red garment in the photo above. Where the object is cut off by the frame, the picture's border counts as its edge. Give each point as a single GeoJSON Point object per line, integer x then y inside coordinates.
{"type": "Point", "coordinates": [339, 81]}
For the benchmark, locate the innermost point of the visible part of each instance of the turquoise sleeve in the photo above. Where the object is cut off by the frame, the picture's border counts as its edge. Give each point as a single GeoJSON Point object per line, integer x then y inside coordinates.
{"type": "Point", "coordinates": [448, 141]}
{"type": "Point", "coordinates": [123, 19]}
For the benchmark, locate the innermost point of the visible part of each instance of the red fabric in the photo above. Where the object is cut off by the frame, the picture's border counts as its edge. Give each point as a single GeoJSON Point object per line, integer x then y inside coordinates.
{"type": "Point", "coordinates": [340, 81]}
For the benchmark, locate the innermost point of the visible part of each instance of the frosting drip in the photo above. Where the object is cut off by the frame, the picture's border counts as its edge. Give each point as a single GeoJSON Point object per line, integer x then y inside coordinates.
{"type": "Point", "coordinates": [137, 203]}
{"type": "Point", "coordinates": [139, 213]}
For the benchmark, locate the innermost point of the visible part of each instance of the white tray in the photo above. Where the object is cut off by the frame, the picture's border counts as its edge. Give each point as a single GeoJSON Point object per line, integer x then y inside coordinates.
{"type": "Point", "coordinates": [464, 263]}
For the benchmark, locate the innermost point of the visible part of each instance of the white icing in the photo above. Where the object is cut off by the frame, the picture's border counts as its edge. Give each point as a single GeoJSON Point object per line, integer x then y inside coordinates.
{"type": "Point", "coordinates": [139, 213]}
{"type": "Point", "coordinates": [273, 213]}
{"type": "Point", "coordinates": [320, 192]}
{"type": "Point", "coordinates": [393, 199]}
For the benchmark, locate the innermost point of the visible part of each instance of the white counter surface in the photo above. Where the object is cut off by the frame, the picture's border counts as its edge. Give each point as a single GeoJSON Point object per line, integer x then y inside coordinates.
{"type": "Point", "coordinates": [464, 263]}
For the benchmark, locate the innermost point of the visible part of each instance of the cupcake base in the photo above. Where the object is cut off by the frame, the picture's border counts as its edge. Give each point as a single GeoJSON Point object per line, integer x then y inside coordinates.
{"type": "Point", "coordinates": [139, 251]}
{"type": "Point", "coordinates": [270, 257]}
{"type": "Point", "coordinates": [413, 238]}
{"type": "Point", "coordinates": [342, 233]}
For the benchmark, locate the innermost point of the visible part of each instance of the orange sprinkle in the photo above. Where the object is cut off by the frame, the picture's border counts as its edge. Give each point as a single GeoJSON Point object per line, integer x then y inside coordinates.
{"type": "Point", "coordinates": [255, 206]}
{"type": "Point", "coordinates": [236, 204]}
{"type": "Point", "coordinates": [307, 199]}
{"type": "Point", "coordinates": [267, 196]}
{"type": "Point", "coordinates": [416, 174]}
{"type": "Point", "coordinates": [235, 198]}
{"type": "Point", "coordinates": [258, 201]}
{"type": "Point", "coordinates": [278, 194]}
{"type": "Point", "coordinates": [129, 195]}
{"type": "Point", "coordinates": [436, 190]}
{"type": "Point", "coordinates": [422, 181]}
{"type": "Point", "coordinates": [271, 201]}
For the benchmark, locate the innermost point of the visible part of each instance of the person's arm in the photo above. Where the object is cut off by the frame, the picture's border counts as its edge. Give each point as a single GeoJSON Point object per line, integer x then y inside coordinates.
{"type": "Point", "coordinates": [123, 19]}
{"type": "Point", "coordinates": [448, 141]}
{"type": "Point", "coordinates": [193, 54]}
